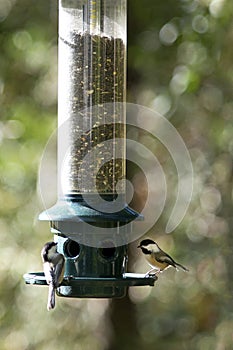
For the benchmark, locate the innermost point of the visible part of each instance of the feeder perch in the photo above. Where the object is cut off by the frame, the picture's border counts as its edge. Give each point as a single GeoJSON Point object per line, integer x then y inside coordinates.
{"type": "Point", "coordinates": [91, 153]}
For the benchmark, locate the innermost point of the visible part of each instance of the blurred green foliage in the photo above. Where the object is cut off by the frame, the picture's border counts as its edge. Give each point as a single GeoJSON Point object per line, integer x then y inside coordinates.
{"type": "Point", "coordinates": [180, 58]}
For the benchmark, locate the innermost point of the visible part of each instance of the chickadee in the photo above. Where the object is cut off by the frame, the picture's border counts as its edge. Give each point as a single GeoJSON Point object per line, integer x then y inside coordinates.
{"type": "Point", "coordinates": [53, 264]}
{"type": "Point", "coordinates": [156, 257]}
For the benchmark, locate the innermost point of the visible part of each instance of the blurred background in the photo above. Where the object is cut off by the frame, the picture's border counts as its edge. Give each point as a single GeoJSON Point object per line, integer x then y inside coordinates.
{"type": "Point", "coordinates": [180, 63]}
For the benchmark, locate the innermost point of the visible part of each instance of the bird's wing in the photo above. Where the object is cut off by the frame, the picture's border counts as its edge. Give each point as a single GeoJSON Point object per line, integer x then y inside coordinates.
{"type": "Point", "coordinates": [163, 257]}
{"type": "Point", "coordinates": [58, 270]}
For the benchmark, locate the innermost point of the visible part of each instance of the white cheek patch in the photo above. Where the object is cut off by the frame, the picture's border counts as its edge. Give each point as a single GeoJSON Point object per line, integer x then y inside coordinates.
{"type": "Point", "coordinates": [153, 248]}
{"type": "Point", "coordinates": [52, 251]}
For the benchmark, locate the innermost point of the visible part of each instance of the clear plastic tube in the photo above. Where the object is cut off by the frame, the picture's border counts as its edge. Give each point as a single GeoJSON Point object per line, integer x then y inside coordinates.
{"type": "Point", "coordinates": [91, 96]}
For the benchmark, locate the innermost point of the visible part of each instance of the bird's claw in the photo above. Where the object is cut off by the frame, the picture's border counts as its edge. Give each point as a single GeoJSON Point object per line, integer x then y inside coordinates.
{"type": "Point", "coordinates": [150, 274]}
{"type": "Point", "coordinates": [68, 278]}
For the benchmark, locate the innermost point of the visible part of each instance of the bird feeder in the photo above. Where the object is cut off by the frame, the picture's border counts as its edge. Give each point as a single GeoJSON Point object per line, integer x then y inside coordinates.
{"type": "Point", "coordinates": [91, 153]}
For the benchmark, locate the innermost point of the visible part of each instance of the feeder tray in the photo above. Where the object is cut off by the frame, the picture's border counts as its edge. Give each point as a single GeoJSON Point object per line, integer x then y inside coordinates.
{"type": "Point", "coordinates": [90, 287]}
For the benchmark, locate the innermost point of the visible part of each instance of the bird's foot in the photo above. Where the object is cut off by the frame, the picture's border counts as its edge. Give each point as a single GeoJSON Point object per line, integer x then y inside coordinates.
{"type": "Point", "coordinates": [68, 278]}
{"type": "Point", "coordinates": [152, 274]}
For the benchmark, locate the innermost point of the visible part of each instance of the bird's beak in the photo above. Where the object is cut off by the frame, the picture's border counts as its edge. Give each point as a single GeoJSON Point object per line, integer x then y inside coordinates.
{"type": "Point", "coordinates": [138, 246]}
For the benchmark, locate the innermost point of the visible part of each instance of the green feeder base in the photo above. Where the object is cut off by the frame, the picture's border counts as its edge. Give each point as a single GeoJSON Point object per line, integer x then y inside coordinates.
{"type": "Point", "coordinates": [94, 287]}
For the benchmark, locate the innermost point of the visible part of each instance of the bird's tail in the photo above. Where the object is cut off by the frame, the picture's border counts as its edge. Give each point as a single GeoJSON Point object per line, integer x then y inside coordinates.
{"type": "Point", "coordinates": [51, 297]}
{"type": "Point", "coordinates": [182, 267]}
